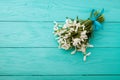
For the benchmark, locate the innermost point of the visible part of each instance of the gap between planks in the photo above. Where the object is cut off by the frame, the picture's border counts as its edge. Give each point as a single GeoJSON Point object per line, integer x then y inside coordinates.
{"type": "Point", "coordinates": [53, 21]}
{"type": "Point", "coordinates": [68, 75]}
{"type": "Point", "coordinates": [54, 47]}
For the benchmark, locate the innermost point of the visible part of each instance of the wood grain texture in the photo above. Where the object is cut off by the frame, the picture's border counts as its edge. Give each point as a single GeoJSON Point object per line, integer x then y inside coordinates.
{"type": "Point", "coordinates": [28, 50]}
{"type": "Point", "coordinates": [52, 61]}
{"type": "Point", "coordinates": [49, 10]}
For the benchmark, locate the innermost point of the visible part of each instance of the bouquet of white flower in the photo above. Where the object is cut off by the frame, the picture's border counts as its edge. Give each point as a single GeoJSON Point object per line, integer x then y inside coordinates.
{"type": "Point", "coordinates": [75, 33]}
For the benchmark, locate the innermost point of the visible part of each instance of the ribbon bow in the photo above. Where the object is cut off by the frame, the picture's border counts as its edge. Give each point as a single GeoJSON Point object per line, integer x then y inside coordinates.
{"type": "Point", "coordinates": [97, 24]}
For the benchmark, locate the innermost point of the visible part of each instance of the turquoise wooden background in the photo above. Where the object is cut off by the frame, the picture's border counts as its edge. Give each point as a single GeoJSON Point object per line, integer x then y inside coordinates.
{"type": "Point", "coordinates": [28, 50]}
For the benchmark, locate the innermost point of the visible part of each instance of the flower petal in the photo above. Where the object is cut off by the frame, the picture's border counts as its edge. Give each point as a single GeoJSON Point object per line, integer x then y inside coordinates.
{"type": "Point", "coordinates": [88, 54]}
{"type": "Point", "coordinates": [84, 58]}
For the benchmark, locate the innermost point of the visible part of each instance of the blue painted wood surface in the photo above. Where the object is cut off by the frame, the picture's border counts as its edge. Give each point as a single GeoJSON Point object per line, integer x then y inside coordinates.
{"type": "Point", "coordinates": [28, 50]}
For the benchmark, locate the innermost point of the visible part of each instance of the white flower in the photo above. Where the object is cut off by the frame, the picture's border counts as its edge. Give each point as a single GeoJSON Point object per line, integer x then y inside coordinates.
{"type": "Point", "coordinates": [60, 32]}
{"type": "Point", "coordinates": [61, 40]}
{"type": "Point", "coordinates": [65, 26]}
{"type": "Point", "coordinates": [65, 46]}
{"type": "Point", "coordinates": [84, 58]}
{"type": "Point", "coordinates": [89, 45]}
{"type": "Point", "coordinates": [88, 54]}
{"type": "Point", "coordinates": [82, 48]}
{"type": "Point", "coordinates": [83, 26]}
{"type": "Point", "coordinates": [71, 29]}
{"type": "Point", "coordinates": [57, 38]}
{"type": "Point", "coordinates": [77, 26]}
{"type": "Point", "coordinates": [66, 36]}
{"type": "Point", "coordinates": [73, 52]}
{"type": "Point", "coordinates": [55, 26]}
{"type": "Point", "coordinates": [83, 35]}
{"type": "Point", "coordinates": [76, 41]}
{"type": "Point", "coordinates": [72, 34]}
{"type": "Point", "coordinates": [68, 21]}
{"type": "Point", "coordinates": [74, 23]}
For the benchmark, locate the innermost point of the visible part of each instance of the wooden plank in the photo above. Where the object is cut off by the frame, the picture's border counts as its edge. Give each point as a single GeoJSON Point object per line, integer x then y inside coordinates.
{"type": "Point", "coordinates": [60, 77]}
{"type": "Point", "coordinates": [52, 61]}
{"type": "Point", "coordinates": [39, 34]}
{"type": "Point", "coordinates": [49, 10]}
{"type": "Point", "coordinates": [24, 10]}
{"type": "Point", "coordinates": [83, 8]}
